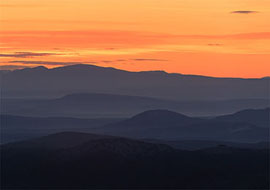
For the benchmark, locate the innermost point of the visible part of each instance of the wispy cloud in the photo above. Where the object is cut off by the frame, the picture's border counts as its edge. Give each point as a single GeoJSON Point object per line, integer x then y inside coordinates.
{"type": "Point", "coordinates": [12, 67]}
{"type": "Point", "coordinates": [9, 5]}
{"type": "Point", "coordinates": [146, 59]}
{"type": "Point", "coordinates": [26, 54]}
{"type": "Point", "coordinates": [107, 61]}
{"type": "Point", "coordinates": [244, 12]}
{"type": "Point", "coordinates": [49, 62]}
{"type": "Point", "coordinates": [21, 4]}
{"type": "Point", "coordinates": [59, 63]}
{"type": "Point", "coordinates": [135, 59]}
{"type": "Point", "coordinates": [215, 44]}
{"type": "Point", "coordinates": [121, 60]}
{"type": "Point", "coordinates": [258, 35]}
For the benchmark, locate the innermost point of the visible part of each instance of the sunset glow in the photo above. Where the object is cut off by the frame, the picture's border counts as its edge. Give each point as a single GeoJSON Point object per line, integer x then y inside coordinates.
{"type": "Point", "coordinates": [224, 38]}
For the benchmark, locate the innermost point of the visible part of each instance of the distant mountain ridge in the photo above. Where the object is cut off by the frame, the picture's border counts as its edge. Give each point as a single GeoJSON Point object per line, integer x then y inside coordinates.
{"type": "Point", "coordinates": [89, 105]}
{"type": "Point", "coordinates": [43, 82]}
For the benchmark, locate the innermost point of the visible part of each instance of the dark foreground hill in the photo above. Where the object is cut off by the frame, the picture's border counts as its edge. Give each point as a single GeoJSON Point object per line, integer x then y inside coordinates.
{"type": "Point", "coordinates": [80, 161]}
{"type": "Point", "coordinates": [202, 144]}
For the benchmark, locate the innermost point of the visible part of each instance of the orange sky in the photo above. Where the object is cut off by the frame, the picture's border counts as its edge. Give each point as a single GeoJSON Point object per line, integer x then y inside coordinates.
{"type": "Point", "coordinates": [225, 38]}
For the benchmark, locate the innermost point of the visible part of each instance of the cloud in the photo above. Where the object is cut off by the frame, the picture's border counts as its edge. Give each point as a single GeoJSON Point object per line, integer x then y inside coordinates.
{"type": "Point", "coordinates": [19, 5]}
{"type": "Point", "coordinates": [107, 61]}
{"type": "Point", "coordinates": [12, 67]}
{"type": "Point", "coordinates": [121, 60]}
{"type": "Point", "coordinates": [145, 59]}
{"type": "Point", "coordinates": [110, 48]}
{"type": "Point", "coordinates": [59, 63]}
{"type": "Point", "coordinates": [9, 5]}
{"type": "Point", "coordinates": [215, 44]}
{"type": "Point", "coordinates": [244, 12]}
{"type": "Point", "coordinates": [258, 35]}
{"type": "Point", "coordinates": [128, 60]}
{"type": "Point", "coordinates": [26, 54]}
{"type": "Point", "coordinates": [49, 62]}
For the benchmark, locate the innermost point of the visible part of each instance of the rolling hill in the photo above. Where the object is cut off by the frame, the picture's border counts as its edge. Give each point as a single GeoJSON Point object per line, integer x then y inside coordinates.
{"type": "Point", "coordinates": [153, 124]}
{"type": "Point", "coordinates": [259, 117]}
{"type": "Point", "coordinates": [17, 128]}
{"type": "Point", "coordinates": [168, 125]}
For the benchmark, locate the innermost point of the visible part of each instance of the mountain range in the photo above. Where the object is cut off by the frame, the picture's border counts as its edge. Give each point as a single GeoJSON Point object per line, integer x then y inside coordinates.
{"type": "Point", "coordinates": [90, 127]}
{"type": "Point", "coordinates": [56, 82]}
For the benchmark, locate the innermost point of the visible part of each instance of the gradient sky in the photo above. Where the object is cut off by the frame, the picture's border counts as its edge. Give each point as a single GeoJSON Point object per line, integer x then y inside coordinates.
{"type": "Point", "coordinates": [224, 38]}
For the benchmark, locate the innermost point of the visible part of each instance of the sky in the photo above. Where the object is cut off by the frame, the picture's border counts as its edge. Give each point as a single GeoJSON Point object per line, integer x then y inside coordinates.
{"type": "Point", "coordinates": [221, 38]}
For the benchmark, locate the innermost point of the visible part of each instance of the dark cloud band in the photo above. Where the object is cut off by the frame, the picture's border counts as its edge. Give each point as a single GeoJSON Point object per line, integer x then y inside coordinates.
{"type": "Point", "coordinates": [244, 12]}
{"type": "Point", "coordinates": [26, 54]}
{"type": "Point", "coordinates": [46, 62]}
{"type": "Point", "coordinates": [145, 59]}
{"type": "Point", "coordinates": [12, 67]}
